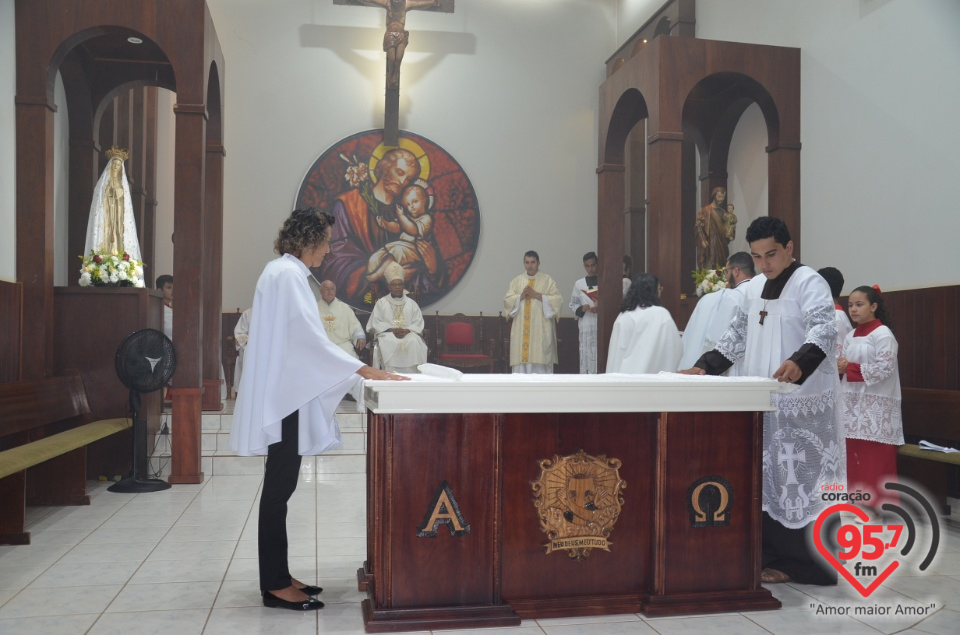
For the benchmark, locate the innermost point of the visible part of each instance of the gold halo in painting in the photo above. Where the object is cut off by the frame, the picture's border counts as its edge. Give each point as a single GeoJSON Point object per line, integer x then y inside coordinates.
{"type": "Point", "coordinates": [406, 144]}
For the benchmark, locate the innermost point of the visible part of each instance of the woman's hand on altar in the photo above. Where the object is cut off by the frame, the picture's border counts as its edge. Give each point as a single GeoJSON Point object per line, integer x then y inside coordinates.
{"type": "Point", "coordinates": [692, 371]}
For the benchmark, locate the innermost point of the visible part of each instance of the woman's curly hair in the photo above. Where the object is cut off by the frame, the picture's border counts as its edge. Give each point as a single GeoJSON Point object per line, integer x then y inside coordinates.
{"type": "Point", "coordinates": [306, 228]}
{"type": "Point", "coordinates": [643, 293]}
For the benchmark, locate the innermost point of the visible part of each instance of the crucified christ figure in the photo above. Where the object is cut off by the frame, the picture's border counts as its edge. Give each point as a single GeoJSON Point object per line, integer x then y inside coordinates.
{"type": "Point", "coordinates": [396, 38]}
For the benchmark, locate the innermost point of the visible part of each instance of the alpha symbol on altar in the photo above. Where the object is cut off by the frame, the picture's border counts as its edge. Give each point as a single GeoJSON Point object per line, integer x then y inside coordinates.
{"type": "Point", "coordinates": [709, 500]}
{"type": "Point", "coordinates": [443, 510]}
{"type": "Point", "coordinates": [578, 498]}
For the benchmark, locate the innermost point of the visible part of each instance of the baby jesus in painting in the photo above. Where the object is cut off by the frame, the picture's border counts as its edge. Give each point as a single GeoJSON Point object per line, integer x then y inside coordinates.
{"type": "Point", "coordinates": [412, 228]}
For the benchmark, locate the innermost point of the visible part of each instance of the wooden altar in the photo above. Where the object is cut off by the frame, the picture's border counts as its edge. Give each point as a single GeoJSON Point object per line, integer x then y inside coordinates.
{"type": "Point", "coordinates": [649, 483]}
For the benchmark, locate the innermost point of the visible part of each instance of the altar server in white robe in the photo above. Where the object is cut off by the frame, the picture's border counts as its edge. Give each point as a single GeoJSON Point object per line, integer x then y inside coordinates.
{"type": "Point", "coordinates": [714, 311]}
{"type": "Point", "coordinates": [293, 379]}
{"type": "Point", "coordinates": [583, 303]}
{"type": "Point", "coordinates": [644, 338]}
{"type": "Point", "coordinates": [533, 303]}
{"type": "Point", "coordinates": [397, 322]}
{"type": "Point", "coordinates": [835, 279]}
{"type": "Point", "coordinates": [241, 335]}
{"type": "Point", "coordinates": [870, 402]}
{"type": "Point", "coordinates": [786, 329]}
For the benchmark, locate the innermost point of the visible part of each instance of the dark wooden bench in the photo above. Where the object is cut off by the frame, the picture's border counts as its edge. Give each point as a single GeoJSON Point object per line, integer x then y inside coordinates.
{"type": "Point", "coordinates": [930, 415]}
{"type": "Point", "coordinates": [45, 428]}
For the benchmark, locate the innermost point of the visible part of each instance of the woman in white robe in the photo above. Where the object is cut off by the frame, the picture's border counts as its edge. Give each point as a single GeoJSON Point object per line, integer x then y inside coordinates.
{"type": "Point", "coordinates": [645, 339]}
{"type": "Point", "coordinates": [292, 381]}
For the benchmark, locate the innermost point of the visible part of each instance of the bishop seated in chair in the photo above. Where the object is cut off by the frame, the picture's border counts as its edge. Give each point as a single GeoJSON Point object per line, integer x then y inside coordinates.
{"type": "Point", "coordinates": [397, 324]}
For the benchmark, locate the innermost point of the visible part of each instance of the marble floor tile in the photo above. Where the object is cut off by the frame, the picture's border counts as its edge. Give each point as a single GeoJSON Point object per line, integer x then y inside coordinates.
{"type": "Point", "coordinates": [48, 624]}
{"type": "Point", "coordinates": [68, 601]}
{"type": "Point", "coordinates": [158, 571]}
{"type": "Point", "coordinates": [181, 622]}
{"type": "Point", "coordinates": [165, 596]}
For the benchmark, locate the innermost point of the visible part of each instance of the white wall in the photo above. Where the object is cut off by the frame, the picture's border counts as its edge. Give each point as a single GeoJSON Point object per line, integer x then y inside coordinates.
{"type": "Point", "coordinates": [879, 129]}
{"type": "Point", "coordinates": [508, 87]}
{"type": "Point", "coordinates": [632, 14]}
{"type": "Point", "coordinates": [8, 135]}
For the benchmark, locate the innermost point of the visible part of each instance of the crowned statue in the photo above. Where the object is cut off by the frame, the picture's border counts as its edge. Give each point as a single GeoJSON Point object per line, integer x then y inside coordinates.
{"type": "Point", "coordinates": [111, 229]}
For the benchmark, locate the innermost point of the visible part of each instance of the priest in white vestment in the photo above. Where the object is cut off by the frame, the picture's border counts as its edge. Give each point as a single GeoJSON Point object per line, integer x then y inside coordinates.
{"type": "Point", "coordinates": [583, 303]}
{"type": "Point", "coordinates": [644, 339]}
{"type": "Point", "coordinates": [341, 322]}
{"type": "Point", "coordinates": [786, 329]}
{"type": "Point", "coordinates": [533, 303]}
{"type": "Point", "coordinates": [714, 312]}
{"type": "Point", "coordinates": [294, 377]}
{"type": "Point", "coordinates": [397, 323]}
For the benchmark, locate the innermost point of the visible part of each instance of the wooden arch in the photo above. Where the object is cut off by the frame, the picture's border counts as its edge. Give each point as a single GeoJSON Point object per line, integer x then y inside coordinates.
{"type": "Point", "coordinates": [695, 92]}
{"type": "Point", "coordinates": [86, 41]}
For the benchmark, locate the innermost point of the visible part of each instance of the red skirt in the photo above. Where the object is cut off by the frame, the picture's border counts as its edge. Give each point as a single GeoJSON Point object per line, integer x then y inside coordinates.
{"type": "Point", "coordinates": [869, 466]}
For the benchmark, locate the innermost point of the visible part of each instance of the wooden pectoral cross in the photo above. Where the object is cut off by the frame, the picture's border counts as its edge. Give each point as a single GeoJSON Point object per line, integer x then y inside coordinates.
{"type": "Point", "coordinates": [395, 41]}
{"type": "Point", "coordinates": [763, 314]}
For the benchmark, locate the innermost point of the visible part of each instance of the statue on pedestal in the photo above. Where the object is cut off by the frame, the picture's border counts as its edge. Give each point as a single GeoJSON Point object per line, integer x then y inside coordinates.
{"type": "Point", "coordinates": [716, 226]}
{"type": "Point", "coordinates": [111, 229]}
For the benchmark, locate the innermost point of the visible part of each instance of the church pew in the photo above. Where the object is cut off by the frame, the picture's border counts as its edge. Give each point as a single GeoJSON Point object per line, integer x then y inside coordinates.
{"type": "Point", "coordinates": [45, 428]}
{"type": "Point", "coordinates": [931, 415]}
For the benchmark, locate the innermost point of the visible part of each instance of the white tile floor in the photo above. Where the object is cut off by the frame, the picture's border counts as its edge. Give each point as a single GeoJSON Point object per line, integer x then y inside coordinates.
{"type": "Point", "coordinates": [183, 561]}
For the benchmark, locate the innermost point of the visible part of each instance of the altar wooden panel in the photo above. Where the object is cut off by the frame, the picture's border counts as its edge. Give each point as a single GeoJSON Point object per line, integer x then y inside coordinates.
{"type": "Point", "coordinates": [660, 562]}
{"type": "Point", "coordinates": [537, 583]}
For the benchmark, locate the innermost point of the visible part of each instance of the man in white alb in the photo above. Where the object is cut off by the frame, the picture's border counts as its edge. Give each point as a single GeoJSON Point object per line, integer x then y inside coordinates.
{"type": "Point", "coordinates": [785, 329]}
{"type": "Point", "coordinates": [714, 311]}
{"type": "Point", "coordinates": [343, 327]}
{"type": "Point", "coordinates": [397, 324]}
{"type": "Point", "coordinates": [533, 303]}
{"type": "Point", "coordinates": [583, 303]}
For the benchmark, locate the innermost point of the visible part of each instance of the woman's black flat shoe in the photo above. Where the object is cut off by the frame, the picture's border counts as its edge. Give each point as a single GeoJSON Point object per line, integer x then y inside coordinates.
{"type": "Point", "coordinates": [312, 590]}
{"type": "Point", "coordinates": [273, 602]}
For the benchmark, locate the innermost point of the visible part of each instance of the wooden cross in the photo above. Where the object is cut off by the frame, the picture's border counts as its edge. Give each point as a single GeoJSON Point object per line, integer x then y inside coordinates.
{"type": "Point", "coordinates": [395, 41]}
{"type": "Point", "coordinates": [763, 314]}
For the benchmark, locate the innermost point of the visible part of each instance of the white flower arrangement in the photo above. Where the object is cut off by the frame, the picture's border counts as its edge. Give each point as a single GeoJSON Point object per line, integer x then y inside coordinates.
{"type": "Point", "coordinates": [709, 280]}
{"type": "Point", "coordinates": [100, 269]}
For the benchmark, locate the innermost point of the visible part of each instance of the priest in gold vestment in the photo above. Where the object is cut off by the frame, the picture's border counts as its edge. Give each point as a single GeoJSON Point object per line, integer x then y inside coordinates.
{"type": "Point", "coordinates": [533, 303]}
{"type": "Point", "coordinates": [343, 327]}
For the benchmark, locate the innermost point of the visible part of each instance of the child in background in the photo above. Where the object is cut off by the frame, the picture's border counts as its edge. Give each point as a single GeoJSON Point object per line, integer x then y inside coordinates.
{"type": "Point", "coordinates": [869, 401]}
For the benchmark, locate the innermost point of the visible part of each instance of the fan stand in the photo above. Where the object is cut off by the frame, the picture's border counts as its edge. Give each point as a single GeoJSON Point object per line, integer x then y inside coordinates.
{"type": "Point", "coordinates": [136, 483]}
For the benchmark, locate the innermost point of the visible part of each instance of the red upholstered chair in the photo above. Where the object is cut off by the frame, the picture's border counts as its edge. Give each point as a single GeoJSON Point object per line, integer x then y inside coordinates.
{"type": "Point", "coordinates": [460, 342]}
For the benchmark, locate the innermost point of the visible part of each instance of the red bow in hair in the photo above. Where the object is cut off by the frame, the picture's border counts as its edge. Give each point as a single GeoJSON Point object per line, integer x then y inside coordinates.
{"type": "Point", "coordinates": [877, 287]}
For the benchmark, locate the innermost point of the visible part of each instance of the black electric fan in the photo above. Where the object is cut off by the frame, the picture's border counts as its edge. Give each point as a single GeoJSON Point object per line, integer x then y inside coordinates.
{"type": "Point", "coordinates": [145, 363]}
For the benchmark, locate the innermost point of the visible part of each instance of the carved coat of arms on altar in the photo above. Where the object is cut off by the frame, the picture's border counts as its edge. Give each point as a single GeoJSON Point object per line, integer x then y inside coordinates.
{"type": "Point", "coordinates": [578, 499]}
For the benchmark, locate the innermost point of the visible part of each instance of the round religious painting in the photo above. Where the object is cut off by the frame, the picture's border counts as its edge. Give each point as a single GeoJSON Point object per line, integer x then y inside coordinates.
{"type": "Point", "coordinates": [412, 205]}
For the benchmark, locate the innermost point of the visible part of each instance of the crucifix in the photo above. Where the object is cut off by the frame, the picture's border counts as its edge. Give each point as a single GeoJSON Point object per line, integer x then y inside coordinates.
{"type": "Point", "coordinates": [395, 41]}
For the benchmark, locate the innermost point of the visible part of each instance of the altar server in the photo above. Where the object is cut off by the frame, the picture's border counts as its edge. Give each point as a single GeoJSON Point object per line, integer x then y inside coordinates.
{"type": "Point", "coordinates": [870, 397]}
{"type": "Point", "coordinates": [293, 379]}
{"type": "Point", "coordinates": [786, 329]}
{"type": "Point", "coordinates": [835, 279]}
{"type": "Point", "coordinates": [533, 303]}
{"type": "Point", "coordinates": [644, 338]}
{"type": "Point", "coordinates": [583, 303]}
{"type": "Point", "coordinates": [397, 323]}
{"type": "Point", "coordinates": [714, 311]}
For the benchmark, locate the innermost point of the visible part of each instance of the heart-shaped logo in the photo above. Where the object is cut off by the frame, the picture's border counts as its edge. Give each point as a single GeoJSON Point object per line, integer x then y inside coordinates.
{"type": "Point", "coordinates": [818, 541]}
